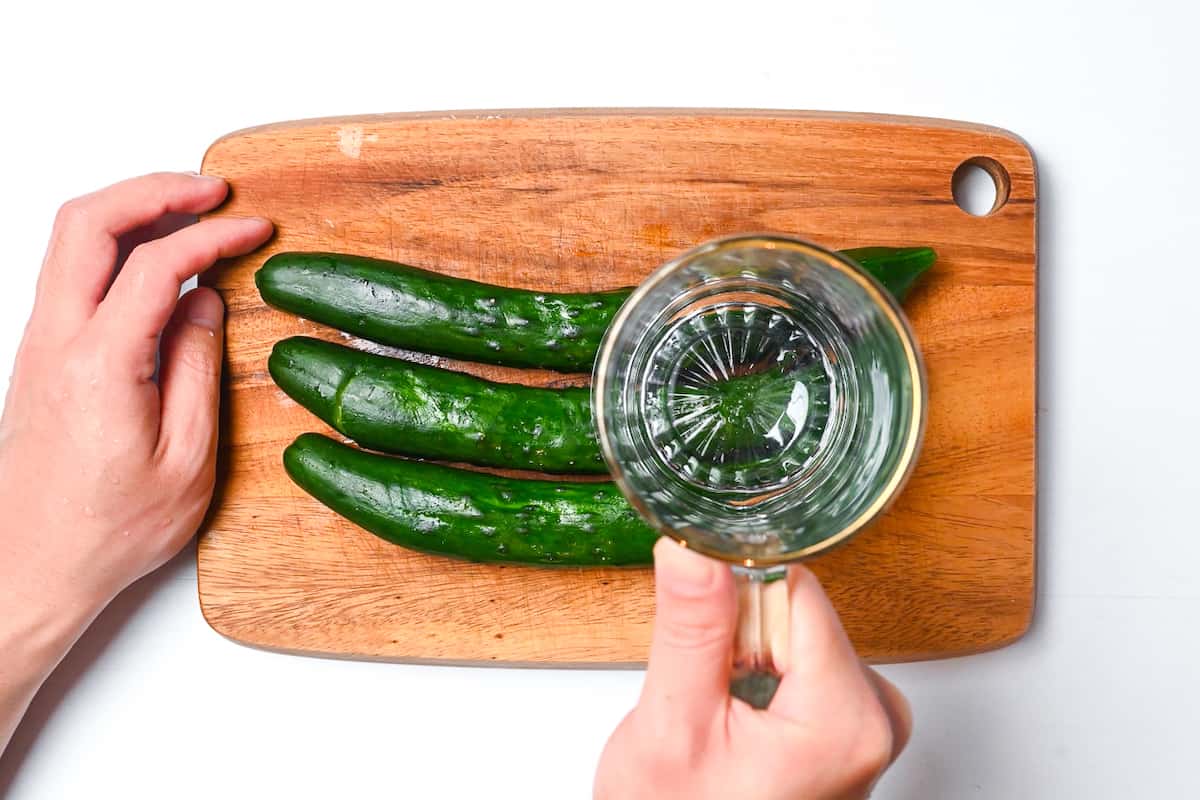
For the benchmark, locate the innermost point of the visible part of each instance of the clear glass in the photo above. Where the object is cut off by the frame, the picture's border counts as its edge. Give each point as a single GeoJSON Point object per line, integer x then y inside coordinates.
{"type": "Point", "coordinates": [761, 399]}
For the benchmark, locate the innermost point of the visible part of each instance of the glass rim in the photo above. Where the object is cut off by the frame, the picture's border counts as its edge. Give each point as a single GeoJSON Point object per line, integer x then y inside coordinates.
{"type": "Point", "coordinates": [892, 312]}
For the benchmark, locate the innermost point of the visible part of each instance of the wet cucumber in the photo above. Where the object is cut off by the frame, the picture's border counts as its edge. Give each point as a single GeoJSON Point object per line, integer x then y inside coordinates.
{"type": "Point", "coordinates": [412, 308]}
{"type": "Point", "coordinates": [471, 515]}
{"type": "Point", "coordinates": [415, 309]}
{"type": "Point", "coordinates": [410, 409]}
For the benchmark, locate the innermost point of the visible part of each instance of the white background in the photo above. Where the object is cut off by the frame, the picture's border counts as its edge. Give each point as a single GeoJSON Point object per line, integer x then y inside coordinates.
{"type": "Point", "coordinates": [1099, 701]}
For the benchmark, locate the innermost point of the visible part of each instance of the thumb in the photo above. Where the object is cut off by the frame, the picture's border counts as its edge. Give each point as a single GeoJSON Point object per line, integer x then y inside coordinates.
{"type": "Point", "coordinates": [687, 677]}
{"type": "Point", "coordinates": [190, 377]}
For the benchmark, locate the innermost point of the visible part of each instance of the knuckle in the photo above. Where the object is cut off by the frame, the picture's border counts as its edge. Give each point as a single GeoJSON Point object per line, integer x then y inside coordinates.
{"type": "Point", "coordinates": [871, 746]}
{"type": "Point", "coordinates": [668, 751]}
{"type": "Point", "coordinates": [146, 253]}
{"type": "Point", "coordinates": [692, 632]}
{"type": "Point", "coordinates": [72, 214]}
{"type": "Point", "coordinates": [78, 370]}
{"type": "Point", "coordinates": [197, 355]}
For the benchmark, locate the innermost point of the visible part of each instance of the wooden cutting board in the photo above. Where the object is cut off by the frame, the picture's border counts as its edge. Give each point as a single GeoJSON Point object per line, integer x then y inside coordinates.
{"type": "Point", "coordinates": [588, 200]}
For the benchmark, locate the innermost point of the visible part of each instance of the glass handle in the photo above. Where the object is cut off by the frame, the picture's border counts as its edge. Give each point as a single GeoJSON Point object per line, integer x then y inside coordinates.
{"type": "Point", "coordinates": [760, 645]}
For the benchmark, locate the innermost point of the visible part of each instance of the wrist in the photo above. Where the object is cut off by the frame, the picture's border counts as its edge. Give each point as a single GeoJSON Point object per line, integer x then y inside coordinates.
{"type": "Point", "coordinates": [39, 623]}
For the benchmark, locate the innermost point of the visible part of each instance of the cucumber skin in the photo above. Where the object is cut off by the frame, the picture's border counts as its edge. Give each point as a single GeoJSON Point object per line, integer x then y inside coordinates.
{"type": "Point", "coordinates": [415, 309]}
{"type": "Point", "coordinates": [472, 515]}
{"type": "Point", "coordinates": [433, 313]}
{"type": "Point", "coordinates": [897, 268]}
{"type": "Point", "coordinates": [399, 407]}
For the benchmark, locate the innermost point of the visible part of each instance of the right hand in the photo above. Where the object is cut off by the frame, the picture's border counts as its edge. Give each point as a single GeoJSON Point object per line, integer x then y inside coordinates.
{"type": "Point", "coordinates": [832, 729]}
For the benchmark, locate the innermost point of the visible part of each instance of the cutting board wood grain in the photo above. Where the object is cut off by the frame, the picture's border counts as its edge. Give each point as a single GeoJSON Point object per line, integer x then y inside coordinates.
{"type": "Point", "coordinates": [587, 200]}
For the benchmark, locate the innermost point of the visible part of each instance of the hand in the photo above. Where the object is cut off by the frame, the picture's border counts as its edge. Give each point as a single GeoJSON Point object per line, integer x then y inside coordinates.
{"type": "Point", "coordinates": [104, 472]}
{"type": "Point", "coordinates": [832, 729]}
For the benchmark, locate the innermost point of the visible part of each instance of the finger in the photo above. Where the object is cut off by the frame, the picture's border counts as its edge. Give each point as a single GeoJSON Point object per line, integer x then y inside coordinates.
{"type": "Point", "coordinates": [897, 707]}
{"type": "Point", "coordinates": [145, 293]}
{"type": "Point", "coordinates": [190, 378]}
{"type": "Point", "coordinates": [83, 245]}
{"type": "Point", "coordinates": [687, 677]}
{"type": "Point", "coordinates": [822, 665]}
{"type": "Point", "coordinates": [163, 226]}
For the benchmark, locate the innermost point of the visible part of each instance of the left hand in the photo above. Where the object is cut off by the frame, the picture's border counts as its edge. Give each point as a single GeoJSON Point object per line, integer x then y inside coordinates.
{"type": "Point", "coordinates": [106, 472]}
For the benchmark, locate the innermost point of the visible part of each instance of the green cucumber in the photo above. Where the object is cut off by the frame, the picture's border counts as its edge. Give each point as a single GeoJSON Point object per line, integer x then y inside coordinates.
{"type": "Point", "coordinates": [897, 268]}
{"type": "Point", "coordinates": [425, 311]}
{"type": "Point", "coordinates": [399, 407]}
{"type": "Point", "coordinates": [471, 515]}
{"type": "Point", "coordinates": [412, 308]}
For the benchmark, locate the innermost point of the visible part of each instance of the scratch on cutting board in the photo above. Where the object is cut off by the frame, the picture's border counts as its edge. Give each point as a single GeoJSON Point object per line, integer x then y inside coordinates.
{"type": "Point", "coordinates": [351, 138]}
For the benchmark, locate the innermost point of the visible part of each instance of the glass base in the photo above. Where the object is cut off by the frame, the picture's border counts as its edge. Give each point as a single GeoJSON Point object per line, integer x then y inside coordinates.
{"type": "Point", "coordinates": [756, 688]}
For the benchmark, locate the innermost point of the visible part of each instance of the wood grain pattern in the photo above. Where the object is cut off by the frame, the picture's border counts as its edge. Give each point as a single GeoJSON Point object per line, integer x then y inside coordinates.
{"type": "Point", "coordinates": [585, 200]}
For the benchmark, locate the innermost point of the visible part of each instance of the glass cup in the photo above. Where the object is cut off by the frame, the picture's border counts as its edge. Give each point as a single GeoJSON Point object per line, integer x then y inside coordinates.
{"type": "Point", "coordinates": [760, 399]}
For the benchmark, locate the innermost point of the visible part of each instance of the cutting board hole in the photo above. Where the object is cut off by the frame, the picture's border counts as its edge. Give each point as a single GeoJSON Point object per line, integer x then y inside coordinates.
{"type": "Point", "coordinates": [980, 186]}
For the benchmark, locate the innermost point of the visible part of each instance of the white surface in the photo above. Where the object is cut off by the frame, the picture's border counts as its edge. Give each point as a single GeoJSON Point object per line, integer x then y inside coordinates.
{"type": "Point", "coordinates": [1098, 701]}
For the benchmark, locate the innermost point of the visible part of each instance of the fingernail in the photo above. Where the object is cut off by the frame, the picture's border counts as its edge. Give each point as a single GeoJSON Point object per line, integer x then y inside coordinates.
{"type": "Point", "coordinates": [689, 572]}
{"type": "Point", "coordinates": [209, 178]}
{"type": "Point", "coordinates": [207, 311]}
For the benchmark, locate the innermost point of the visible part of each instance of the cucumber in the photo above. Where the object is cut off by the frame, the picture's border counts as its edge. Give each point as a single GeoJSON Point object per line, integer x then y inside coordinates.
{"type": "Point", "coordinates": [471, 515]}
{"type": "Point", "coordinates": [897, 268]}
{"type": "Point", "coordinates": [400, 407]}
{"type": "Point", "coordinates": [432, 313]}
{"type": "Point", "coordinates": [403, 306]}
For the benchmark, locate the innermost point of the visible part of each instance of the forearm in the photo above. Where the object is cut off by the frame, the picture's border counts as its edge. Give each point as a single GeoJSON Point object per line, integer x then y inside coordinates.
{"type": "Point", "coordinates": [36, 631]}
